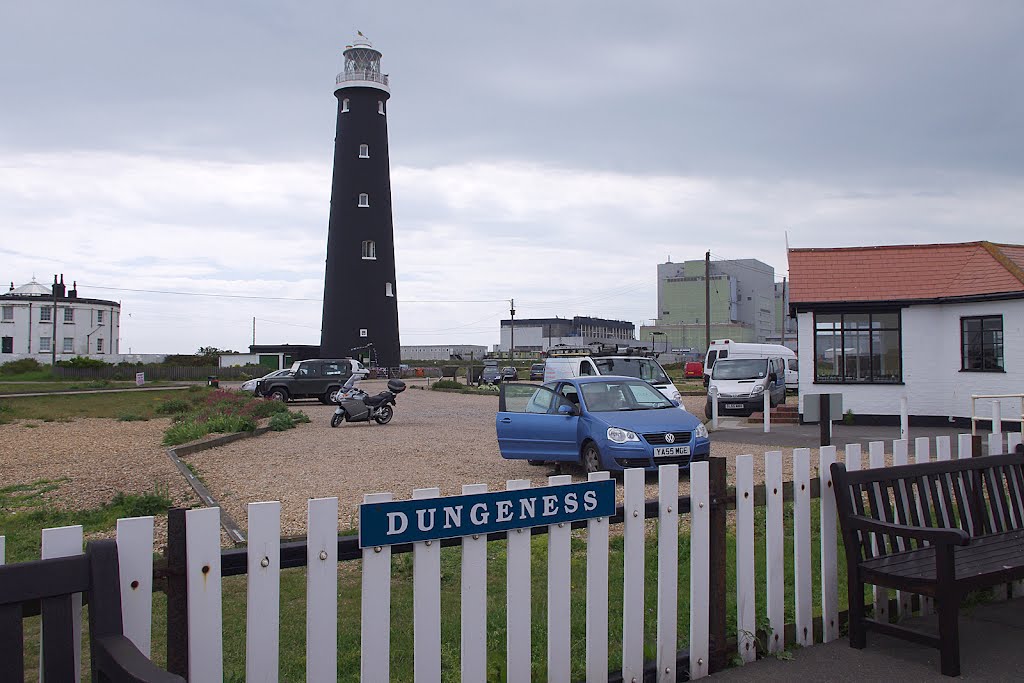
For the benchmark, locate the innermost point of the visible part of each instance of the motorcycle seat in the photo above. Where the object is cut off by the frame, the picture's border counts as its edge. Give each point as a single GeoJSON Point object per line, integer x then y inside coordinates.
{"type": "Point", "coordinates": [376, 400]}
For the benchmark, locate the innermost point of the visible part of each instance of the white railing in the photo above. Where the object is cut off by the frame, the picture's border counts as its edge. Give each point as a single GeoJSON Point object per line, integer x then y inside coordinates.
{"type": "Point", "coordinates": [203, 570]}
{"type": "Point", "coordinates": [996, 415]}
{"type": "Point", "coordinates": [373, 76]}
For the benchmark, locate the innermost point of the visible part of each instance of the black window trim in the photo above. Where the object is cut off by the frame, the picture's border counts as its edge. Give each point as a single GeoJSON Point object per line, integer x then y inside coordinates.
{"type": "Point", "coordinates": [980, 318]}
{"type": "Point", "coordinates": [856, 310]}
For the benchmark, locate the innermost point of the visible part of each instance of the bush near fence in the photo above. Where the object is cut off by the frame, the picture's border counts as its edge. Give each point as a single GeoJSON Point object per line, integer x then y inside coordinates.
{"type": "Point", "coordinates": [156, 371]}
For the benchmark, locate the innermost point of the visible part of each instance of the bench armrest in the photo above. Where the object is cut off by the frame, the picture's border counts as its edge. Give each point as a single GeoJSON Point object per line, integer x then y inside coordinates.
{"type": "Point", "coordinates": [120, 661]}
{"type": "Point", "coordinates": [921, 533]}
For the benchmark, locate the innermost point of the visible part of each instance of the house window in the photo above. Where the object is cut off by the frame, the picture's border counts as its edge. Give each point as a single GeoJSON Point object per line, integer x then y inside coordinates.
{"type": "Point", "coordinates": [44, 343]}
{"type": "Point", "coordinates": [99, 345]}
{"type": "Point", "coordinates": [99, 317]}
{"type": "Point", "coordinates": [344, 105]}
{"type": "Point", "coordinates": [388, 289]}
{"type": "Point", "coordinates": [69, 315]}
{"type": "Point", "coordinates": [45, 314]}
{"type": "Point", "coordinates": [69, 344]}
{"type": "Point", "coordinates": [380, 107]}
{"type": "Point", "coordinates": [362, 332]}
{"type": "Point", "coordinates": [7, 345]}
{"type": "Point", "coordinates": [369, 249]}
{"type": "Point", "coordinates": [364, 199]}
{"type": "Point", "coordinates": [8, 313]}
{"type": "Point", "coordinates": [855, 348]}
{"type": "Point", "coordinates": [981, 343]}
{"type": "Point", "coordinates": [364, 151]}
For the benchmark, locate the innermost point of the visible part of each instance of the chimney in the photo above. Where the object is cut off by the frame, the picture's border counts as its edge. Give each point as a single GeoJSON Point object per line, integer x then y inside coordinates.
{"type": "Point", "coordinates": [61, 289]}
{"type": "Point", "coordinates": [56, 287]}
{"type": "Point", "coordinates": [12, 285]}
{"type": "Point", "coordinates": [73, 294]}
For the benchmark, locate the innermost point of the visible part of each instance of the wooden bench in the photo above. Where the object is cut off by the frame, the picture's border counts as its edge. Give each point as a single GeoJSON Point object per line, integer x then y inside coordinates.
{"type": "Point", "coordinates": [938, 529]}
{"type": "Point", "coordinates": [50, 584]}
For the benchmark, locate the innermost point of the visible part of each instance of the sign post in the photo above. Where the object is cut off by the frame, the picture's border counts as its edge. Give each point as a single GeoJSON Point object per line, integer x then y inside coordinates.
{"type": "Point", "coordinates": [140, 379]}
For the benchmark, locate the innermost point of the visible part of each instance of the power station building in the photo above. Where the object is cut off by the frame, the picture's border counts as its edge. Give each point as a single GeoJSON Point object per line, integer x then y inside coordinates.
{"type": "Point", "coordinates": [360, 313]}
{"type": "Point", "coordinates": [540, 334]}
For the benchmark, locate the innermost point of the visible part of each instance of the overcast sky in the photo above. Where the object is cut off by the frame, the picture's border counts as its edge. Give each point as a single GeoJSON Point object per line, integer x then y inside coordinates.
{"type": "Point", "coordinates": [551, 152]}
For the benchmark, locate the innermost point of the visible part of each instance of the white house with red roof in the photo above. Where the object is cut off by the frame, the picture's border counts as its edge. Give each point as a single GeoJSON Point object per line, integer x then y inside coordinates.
{"type": "Point", "coordinates": [936, 323]}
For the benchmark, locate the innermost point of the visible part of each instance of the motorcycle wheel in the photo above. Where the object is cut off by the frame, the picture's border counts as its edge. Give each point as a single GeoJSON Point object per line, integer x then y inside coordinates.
{"type": "Point", "coordinates": [336, 419]}
{"type": "Point", "coordinates": [384, 415]}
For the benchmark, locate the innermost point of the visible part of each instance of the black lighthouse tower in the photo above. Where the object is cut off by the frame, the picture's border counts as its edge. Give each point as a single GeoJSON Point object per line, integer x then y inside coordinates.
{"type": "Point", "coordinates": [360, 293]}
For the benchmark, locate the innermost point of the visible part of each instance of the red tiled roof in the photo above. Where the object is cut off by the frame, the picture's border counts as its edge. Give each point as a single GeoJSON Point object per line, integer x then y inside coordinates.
{"type": "Point", "coordinates": [905, 272]}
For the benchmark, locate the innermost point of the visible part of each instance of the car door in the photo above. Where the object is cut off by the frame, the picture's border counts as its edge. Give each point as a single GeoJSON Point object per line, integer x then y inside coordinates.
{"type": "Point", "coordinates": [333, 373]}
{"type": "Point", "coordinates": [530, 426]}
{"type": "Point", "coordinates": [306, 378]}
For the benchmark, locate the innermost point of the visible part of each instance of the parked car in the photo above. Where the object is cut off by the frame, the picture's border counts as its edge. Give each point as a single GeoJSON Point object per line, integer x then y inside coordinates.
{"type": "Point", "coordinates": [693, 370]}
{"type": "Point", "coordinates": [600, 423]}
{"type": "Point", "coordinates": [250, 385]}
{"type": "Point", "coordinates": [537, 372]}
{"type": "Point", "coordinates": [741, 384]}
{"type": "Point", "coordinates": [509, 374]}
{"type": "Point", "coordinates": [317, 378]}
{"type": "Point", "coordinates": [490, 375]}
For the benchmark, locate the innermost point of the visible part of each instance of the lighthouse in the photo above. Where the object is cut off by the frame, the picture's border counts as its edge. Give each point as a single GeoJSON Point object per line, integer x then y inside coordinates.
{"type": "Point", "coordinates": [360, 315]}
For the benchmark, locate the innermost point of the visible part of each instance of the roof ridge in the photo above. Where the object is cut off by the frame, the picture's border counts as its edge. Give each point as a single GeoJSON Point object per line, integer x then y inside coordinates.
{"type": "Point", "coordinates": [932, 245]}
{"type": "Point", "coordinates": [1004, 260]}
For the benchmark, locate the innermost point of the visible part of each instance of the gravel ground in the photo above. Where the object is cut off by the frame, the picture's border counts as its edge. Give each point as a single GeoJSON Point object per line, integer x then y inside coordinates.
{"type": "Point", "coordinates": [437, 439]}
{"type": "Point", "coordinates": [97, 457]}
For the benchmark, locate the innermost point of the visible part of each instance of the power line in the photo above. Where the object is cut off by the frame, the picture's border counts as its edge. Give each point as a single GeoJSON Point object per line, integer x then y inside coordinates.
{"type": "Point", "coordinates": [282, 298]}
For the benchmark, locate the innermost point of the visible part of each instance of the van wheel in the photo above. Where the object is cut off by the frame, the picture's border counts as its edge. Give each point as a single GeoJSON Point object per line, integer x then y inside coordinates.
{"type": "Point", "coordinates": [591, 458]}
{"type": "Point", "coordinates": [707, 411]}
{"type": "Point", "coordinates": [279, 394]}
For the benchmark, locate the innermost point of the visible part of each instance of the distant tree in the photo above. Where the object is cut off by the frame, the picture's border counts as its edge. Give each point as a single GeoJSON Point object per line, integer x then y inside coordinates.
{"type": "Point", "coordinates": [213, 351]}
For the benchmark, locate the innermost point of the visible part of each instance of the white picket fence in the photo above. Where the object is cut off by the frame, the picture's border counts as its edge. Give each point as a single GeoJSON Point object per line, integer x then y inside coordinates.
{"type": "Point", "coordinates": [205, 624]}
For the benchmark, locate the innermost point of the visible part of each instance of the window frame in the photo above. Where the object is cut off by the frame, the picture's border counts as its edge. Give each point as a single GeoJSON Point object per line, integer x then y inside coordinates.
{"type": "Point", "coordinates": [7, 313]}
{"type": "Point", "coordinates": [369, 250]}
{"type": "Point", "coordinates": [6, 344]}
{"type": "Point", "coordinates": [49, 344]}
{"type": "Point", "coordinates": [842, 312]}
{"type": "Point", "coordinates": [364, 150]}
{"type": "Point", "coordinates": [1002, 356]}
{"type": "Point", "coordinates": [99, 316]}
{"type": "Point", "coordinates": [69, 314]}
{"type": "Point", "coordinates": [46, 314]}
{"type": "Point", "coordinates": [364, 200]}
{"type": "Point", "coordinates": [99, 345]}
{"type": "Point", "coordinates": [344, 105]}
{"type": "Point", "coordinates": [380, 107]}
{"type": "Point", "coordinates": [66, 345]}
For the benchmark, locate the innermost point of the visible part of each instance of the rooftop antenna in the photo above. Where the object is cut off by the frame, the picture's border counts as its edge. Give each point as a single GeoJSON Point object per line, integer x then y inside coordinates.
{"type": "Point", "coordinates": [786, 233]}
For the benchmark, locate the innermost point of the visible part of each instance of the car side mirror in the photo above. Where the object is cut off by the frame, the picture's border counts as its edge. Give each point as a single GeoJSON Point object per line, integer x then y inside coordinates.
{"type": "Point", "coordinates": [567, 410]}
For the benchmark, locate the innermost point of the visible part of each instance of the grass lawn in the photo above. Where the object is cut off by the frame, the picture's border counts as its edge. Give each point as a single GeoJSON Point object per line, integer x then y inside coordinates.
{"type": "Point", "coordinates": [140, 404]}
{"type": "Point", "coordinates": [37, 386]}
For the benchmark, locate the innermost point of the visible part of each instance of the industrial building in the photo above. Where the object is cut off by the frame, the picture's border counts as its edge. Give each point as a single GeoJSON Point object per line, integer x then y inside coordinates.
{"type": "Point", "coordinates": [540, 334]}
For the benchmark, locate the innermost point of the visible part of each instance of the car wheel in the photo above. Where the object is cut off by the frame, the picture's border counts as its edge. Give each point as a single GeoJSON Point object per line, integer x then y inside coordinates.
{"type": "Point", "coordinates": [591, 458]}
{"type": "Point", "coordinates": [328, 397]}
{"type": "Point", "coordinates": [337, 419]}
{"type": "Point", "coordinates": [278, 394]}
{"type": "Point", "coordinates": [385, 415]}
{"type": "Point", "coordinates": [707, 411]}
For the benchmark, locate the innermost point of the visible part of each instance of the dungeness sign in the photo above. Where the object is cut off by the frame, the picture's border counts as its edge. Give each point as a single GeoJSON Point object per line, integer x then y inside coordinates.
{"type": "Point", "coordinates": [406, 521]}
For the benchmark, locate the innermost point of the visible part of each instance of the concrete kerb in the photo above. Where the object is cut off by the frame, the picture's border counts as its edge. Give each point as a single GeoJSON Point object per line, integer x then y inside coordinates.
{"type": "Point", "coordinates": [229, 525]}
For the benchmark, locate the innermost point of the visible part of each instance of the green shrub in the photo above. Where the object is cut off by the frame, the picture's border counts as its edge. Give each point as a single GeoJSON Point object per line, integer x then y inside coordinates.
{"type": "Point", "coordinates": [229, 424]}
{"type": "Point", "coordinates": [196, 388]}
{"type": "Point", "coordinates": [173, 406]}
{"type": "Point", "coordinates": [267, 408]}
{"type": "Point", "coordinates": [21, 366]}
{"type": "Point", "coordinates": [300, 417]}
{"type": "Point", "coordinates": [281, 422]}
{"type": "Point", "coordinates": [447, 384]}
{"type": "Point", "coordinates": [134, 505]}
{"type": "Point", "coordinates": [82, 362]}
{"type": "Point", "coordinates": [183, 432]}
{"type": "Point", "coordinates": [132, 417]}
{"type": "Point", "coordinates": [98, 384]}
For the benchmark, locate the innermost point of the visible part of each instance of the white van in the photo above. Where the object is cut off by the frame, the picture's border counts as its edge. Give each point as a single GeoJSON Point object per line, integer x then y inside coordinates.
{"type": "Point", "coordinates": [642, 367]}
{"type": "Point", "coordinates": [741, 384]}
{"type": "Point", "coordinates": [727, 348]}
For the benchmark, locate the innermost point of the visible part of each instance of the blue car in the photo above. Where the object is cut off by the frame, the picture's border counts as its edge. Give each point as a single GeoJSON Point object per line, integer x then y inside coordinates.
{"type": "Point", "coordinates": [600, 422]}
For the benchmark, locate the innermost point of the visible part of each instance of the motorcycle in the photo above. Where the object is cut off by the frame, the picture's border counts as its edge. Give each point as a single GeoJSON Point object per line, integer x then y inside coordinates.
{"type": "Point", "coordinates": [355, 405]}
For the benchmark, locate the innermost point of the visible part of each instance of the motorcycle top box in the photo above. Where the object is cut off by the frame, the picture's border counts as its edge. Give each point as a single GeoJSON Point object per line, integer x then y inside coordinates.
{"type": "Point", "coordinates": [396, 386]}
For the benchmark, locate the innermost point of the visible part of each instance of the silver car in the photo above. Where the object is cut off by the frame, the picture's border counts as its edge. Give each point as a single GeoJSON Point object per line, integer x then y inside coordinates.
{"type": "Point", "coordinates": [250, 385]}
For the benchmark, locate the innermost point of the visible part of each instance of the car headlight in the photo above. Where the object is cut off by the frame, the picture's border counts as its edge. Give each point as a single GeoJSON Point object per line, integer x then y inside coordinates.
{"type": "Point", "coordinates": [759, 389]}
{"type": "Point", "coordinates": [701, 432]}
{"type": "Point", "coordinates": [677, 396]}
{"type": "Point", "coordinates": [617, 435]}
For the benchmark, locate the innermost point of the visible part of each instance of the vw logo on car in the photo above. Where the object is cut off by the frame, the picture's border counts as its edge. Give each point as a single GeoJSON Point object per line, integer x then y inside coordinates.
{"type": "Point", "coordinates": [670, 438]}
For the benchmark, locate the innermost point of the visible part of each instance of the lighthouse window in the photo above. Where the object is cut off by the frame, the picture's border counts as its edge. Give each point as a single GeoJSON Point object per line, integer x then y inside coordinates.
{"type": "Point", "coordinates": [388, 289]}
{"type": "Point", "coordinates": [380, 107]}
{"type": "Point", "coordinates": [364, 199]}
{"type": "Point", "coordinates": [344, 105]}
{"type": "Point", "coordinates": [369, 249]}
{"type": "Point", "coordinates": [364, 151]}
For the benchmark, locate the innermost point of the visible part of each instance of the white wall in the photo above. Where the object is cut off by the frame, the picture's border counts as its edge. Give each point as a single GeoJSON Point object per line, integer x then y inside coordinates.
{"type": "Point", "coordinates": [26, 329]}
{"type": "Point", "coordinates": [932, 379]}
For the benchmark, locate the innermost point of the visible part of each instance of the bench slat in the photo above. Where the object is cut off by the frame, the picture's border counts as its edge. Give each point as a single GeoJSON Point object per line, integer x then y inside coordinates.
{"type": "Point", "coordinates": [12, 643]}
{"type": "Point", "coordinates": [58, 649]}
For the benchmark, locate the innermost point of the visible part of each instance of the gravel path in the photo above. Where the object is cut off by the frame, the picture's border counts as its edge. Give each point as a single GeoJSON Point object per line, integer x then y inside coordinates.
{"type": "Point", "coordinates": [436, 439]}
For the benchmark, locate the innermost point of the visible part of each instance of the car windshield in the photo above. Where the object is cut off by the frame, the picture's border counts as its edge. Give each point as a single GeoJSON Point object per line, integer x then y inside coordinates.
{"type": "Point", "coordinates": [641, 368]}
{"type": "Point", "coordinates": [622, 395]}
{"type": "Point", "coordinates": [747, 368]}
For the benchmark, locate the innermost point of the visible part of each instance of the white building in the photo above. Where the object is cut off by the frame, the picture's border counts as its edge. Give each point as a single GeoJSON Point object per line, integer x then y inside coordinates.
{"type": "Point", "coordinates": [84, 327]}
{"type": "Point", "coordinates": [936, 323]}
{"type": "Point", "coordinates": [442, 352]}
{"type": "Point", "coordinates": [540, 334]}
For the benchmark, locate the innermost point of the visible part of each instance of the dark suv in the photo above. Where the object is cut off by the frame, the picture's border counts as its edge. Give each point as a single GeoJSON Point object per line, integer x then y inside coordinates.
{"type": "Point", "coordinates": [315, 378]}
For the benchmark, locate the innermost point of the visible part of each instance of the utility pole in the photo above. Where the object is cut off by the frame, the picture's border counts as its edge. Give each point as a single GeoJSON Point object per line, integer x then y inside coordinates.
{"type": "Point", "coordinates": [512, 330]}
{"type": "Point", "coordinates": [53, 342]}
{"type": "Point", "coordinates": [785, 311]}
{"type": "Point", "coordinates": [254, 330]}
{"type": "Point", "coordinates": [707, 301]}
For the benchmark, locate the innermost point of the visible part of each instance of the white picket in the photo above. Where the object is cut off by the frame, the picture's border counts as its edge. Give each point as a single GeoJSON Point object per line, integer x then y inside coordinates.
{"type": "Point", "coordinates": [518, 602]}
{"type": "Point", "coordinates": [995, 443]}
{"type": "Point", "coordinates": [322, 596]}
{"type": "Point", "coordinates": [853, 457]}
{"type": "Point", "coordinates": [922, 453]}
{"type": "Point", "coordinates": [802, 578]}
{"type": "Point", "coordinates": [963, 446]}
{"type": "Point", "coordinates": [3, 549]}
{"type": "Point", "coordinates": [829, 565]}
{"type": "Point", "coordinates": [746, 616]}
{"type": "Point", "coordinates": [63, 542]}
{"type": "Point", "coordinates": [559, 590]}
{"type": "Point", "coordinates": [633, 576]}
{"type": "Point", "coordinates": [135, 562]}
{"type": "Point", "coordinates": [700, 569]}
{"type": "Point", "coordinates": [202, 571]}
{"type": "Point", "coordinates": [900, 454]}
{"type": "Point", "coordinates": [876, 459]}
{"type": "Point", "coordinates": [774, 545]}
{"type": "Point", "coordinates": [943, 450]}
{"type": "Point", "coordinates": [263, 595]}
{"type": "Point", "coordinates": [474, 600]}
{"type": "Point", "coordinates": [597, 595]}
{"type": "Point", "coordinates": [668, 571]}
{"type": "Point", "coordinates": [426, 602]}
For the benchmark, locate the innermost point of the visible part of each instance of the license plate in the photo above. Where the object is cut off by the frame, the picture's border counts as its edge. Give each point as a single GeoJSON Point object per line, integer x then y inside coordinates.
{"type": "Point", "coordinates": [665, 451]}
{"type": "Point", "coordinates": [734, 406]}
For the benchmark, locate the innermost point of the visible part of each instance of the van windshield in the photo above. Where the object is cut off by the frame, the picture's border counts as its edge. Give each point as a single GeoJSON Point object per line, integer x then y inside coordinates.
{"type": "Point", "coordinates": [753, 368]}
{"type": "Point", "coordinates": [641, 368]}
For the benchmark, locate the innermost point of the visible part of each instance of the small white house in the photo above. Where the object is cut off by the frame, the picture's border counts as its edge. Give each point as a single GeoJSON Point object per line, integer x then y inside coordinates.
{"type": "Point", "coordinates": [936, 323]}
